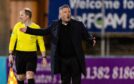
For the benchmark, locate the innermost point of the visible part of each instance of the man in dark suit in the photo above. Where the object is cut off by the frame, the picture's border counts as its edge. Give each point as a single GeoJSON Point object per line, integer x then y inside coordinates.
{"type": "Point", "coordinates": [67, 57]}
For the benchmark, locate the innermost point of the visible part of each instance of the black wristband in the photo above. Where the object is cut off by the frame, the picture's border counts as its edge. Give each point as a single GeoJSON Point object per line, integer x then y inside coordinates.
{"type": "Point", "coordinates": [94, 38]}
{"type": "Point", "coordinates": [10, 53]}
{"type": "Point", "coordinates": [44, 57]}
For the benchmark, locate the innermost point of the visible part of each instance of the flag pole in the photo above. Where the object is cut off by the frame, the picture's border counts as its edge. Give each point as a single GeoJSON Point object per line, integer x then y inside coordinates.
{"type": "Point", "coordinates": [103, 30]}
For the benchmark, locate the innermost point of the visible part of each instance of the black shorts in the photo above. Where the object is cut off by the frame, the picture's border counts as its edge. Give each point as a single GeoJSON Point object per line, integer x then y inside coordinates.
{"type": "Point", "coordinates": [25, 61]}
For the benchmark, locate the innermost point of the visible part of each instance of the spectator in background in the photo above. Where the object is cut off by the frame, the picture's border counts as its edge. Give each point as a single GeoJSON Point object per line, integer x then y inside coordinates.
{"type": "Point", "coordinates": [67, 56]}
{"type": "Point", "coordinates": [26, 47]}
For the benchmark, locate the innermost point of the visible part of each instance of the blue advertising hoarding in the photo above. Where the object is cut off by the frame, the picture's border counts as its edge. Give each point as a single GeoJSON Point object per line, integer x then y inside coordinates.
{"type": "Point", "coordinates": [3, 69]}
{"type": "Point", "coordinates": [118, 15]}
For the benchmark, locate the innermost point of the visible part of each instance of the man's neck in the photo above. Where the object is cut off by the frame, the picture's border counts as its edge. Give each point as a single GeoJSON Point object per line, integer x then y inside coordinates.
{"type": "Point", "coordinates": [64, 23]}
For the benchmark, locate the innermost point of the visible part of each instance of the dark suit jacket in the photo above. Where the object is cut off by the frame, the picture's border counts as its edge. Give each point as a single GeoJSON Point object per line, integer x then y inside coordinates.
{"type": "Point", "coordinates": [79, 33]}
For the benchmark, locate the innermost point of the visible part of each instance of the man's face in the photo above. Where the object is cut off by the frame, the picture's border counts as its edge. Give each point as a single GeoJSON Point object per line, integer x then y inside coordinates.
{"type": "Point", "coordinates": [65, 14]}
{"type": "Point", "coordinates": [23, 17]}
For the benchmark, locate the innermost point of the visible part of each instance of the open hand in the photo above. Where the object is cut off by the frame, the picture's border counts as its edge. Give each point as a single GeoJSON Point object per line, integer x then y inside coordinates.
{"type": "Point", "coordinates": [94, 41]}
{"type": "Point", "coordinates": [23, 29]}
{"type": "Point", "coordinates": [10, 59]}
{"type": "Point", "coordinates": [44, 62]}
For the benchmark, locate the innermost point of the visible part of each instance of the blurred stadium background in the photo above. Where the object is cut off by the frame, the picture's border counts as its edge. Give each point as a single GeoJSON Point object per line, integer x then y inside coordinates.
{"type": "Point", "coordinates": [112, 22]}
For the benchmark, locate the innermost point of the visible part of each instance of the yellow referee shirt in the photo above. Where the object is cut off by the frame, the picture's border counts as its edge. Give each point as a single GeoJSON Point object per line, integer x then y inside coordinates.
{"type": "Point", "coordinates": [25, 42]}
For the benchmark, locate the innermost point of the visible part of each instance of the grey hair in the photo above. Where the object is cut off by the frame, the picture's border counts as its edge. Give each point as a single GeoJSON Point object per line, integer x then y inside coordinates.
{"type": "Point", "coordinates": [64, 6]}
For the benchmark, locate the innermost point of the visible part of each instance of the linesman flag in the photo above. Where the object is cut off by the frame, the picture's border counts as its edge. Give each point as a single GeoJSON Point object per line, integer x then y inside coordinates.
{"type": "Point", "coordinates": [11, 77]}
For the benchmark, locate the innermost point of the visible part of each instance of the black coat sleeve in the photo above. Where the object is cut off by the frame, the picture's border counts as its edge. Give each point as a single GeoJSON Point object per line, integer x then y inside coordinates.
{"type": "Point", "coordinates": [40, 32]}
{"type": "Point", "coordinates": [88, 37]}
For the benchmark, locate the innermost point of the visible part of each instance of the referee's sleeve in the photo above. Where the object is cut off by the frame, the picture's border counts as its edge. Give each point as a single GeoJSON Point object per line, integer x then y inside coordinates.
{"type": "Point", "coordinates": [41, 43]}
{"type": "Point", "coordinates": [13, 39]}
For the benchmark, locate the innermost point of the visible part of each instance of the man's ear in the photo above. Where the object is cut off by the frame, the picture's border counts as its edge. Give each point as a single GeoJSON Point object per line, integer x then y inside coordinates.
{"type": "Point", "coordinates": [59, 17]}
{"type": "Point", "coordinates": [27, 16]}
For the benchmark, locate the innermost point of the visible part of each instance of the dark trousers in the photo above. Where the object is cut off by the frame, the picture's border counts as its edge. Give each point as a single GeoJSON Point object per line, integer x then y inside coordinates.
{"type": "Point", "coordinates": [70, 71]}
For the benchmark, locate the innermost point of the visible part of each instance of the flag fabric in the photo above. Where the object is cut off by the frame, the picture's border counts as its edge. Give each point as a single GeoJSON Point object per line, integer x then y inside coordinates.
{"type": "Point", "coordinates": [11, 77]}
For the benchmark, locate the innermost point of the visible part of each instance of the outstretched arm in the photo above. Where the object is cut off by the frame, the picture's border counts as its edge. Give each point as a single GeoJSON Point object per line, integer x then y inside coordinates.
{"type": "Point", "coordinates": [40, 32]}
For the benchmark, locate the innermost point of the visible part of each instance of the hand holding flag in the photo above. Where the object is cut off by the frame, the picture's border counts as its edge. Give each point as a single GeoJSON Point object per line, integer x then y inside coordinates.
{"type": "Point", "coordinates": [11, 77]}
